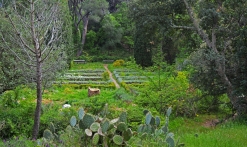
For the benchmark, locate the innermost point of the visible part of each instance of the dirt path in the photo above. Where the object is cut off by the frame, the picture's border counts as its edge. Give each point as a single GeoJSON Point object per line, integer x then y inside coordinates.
{"type": "Point", "coordinates": [110, 74]}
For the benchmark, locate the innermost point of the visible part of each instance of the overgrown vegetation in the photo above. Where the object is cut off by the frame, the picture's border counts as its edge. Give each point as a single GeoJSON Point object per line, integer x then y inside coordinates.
{"type": "Point", "coordinates": [188, 56]}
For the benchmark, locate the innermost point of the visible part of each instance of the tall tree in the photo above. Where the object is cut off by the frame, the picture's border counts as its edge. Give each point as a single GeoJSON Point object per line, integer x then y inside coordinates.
{"type": "Point", "coordinates": [153, 25]}
{"type": "Point", "coordinates": [82, 11]}
{"type": "Point", "coordinates": [221, 24]}
{"type": "Point", "coordinates": [111, 32]}
{"type": "Point", "coordinates": [37, 34]}
{"type": "Point", "coordinates": [217, 30]}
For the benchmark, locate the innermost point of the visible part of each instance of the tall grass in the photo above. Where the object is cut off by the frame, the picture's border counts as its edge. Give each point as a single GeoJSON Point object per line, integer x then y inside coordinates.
{"type": "Point", "coordinates": [193, 133]}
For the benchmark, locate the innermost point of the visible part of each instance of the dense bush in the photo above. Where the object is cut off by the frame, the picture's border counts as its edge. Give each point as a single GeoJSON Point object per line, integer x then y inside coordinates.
{"type": "Point", "coordinates": [56, 114]}
{"type": "Point", "coordinates": [118, 63]}
{"type": "Point", "coordinates": [170, 90]}
{"type": "Point", "coordinates": [17, 121]}
{"type": "Point", "coordinates": [17, 111]}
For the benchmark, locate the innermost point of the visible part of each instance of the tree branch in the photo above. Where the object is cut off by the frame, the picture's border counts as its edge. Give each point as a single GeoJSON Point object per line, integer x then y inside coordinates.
{"type": "Point", "coordinates": [18, 33]}
{"type": "Point", "coordinates": [15, 53]}
{"type": "Point", "coordinates": [201, 33]}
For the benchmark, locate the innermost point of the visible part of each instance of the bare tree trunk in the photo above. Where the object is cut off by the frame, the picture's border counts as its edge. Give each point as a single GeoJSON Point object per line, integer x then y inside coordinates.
{"type": "Point", "coordinates": [39, 100]}
{"type": "Point", "coordinates": [38, 75]}
{"type": "Point", "coordinates": [84, 34]}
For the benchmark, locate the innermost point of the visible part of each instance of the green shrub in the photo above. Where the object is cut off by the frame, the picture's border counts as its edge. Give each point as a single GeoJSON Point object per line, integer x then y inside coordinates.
{"type": "Point", "coordinates": [118, 63]}
{"type": "Point", "coordinates": [56, 114]}
{"type": "Point", "coordinates": [170, 90]}
{"type": "Point", "coordinates": [17, 121]}
{"type": "Point", "coordinates": [105, 76]}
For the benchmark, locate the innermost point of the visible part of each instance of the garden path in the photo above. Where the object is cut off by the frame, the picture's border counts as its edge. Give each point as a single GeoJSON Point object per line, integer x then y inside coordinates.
{"type": "Point", "coordinates": [110, 75]}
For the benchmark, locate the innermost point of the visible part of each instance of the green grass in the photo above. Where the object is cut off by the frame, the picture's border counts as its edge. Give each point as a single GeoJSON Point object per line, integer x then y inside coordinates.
{"type": "Point", "coordinates": [95, 65]}
{"type": "Point", "coordinates": [232, 136]}
{"type": "Point", "coordinates": [193, 133]}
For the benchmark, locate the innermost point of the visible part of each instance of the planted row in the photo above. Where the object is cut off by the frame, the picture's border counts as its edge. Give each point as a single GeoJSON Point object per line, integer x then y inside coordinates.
{"type": "Point", "coordinates": [81, 82]}
{"type": "Point", "coordinates": [83, 74]}
{"type": "Point", "coordinates": [82, 78]}
{"type": "Point", "coordinates": [86, 71]}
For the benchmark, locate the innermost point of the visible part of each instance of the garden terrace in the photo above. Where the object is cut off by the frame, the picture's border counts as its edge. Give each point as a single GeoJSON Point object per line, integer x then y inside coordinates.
{"type": "Point", "coordinates": [82, 82]}
{"type": "Point", "coordinates": [130, 79]}
{"type": "Point", "coordinates": [83, 74]}
{"type": "Point", "coordinates": [87, 71]}
{"type": "Point", "coordinates": [86, 77]}
{"type": "Point", "coordinates": [82, 78]}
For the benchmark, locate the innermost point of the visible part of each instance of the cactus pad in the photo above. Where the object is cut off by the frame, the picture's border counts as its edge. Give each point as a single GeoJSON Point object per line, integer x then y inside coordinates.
{"type": "Point", "coordinates": [165, 129]}
{"type": "Point", "coordinates": [81, 113]}
{"type": "Point", "coordinates": [86, 121]}
{"type": "Point", "coordinates": [73, 121]}
{"type": "Point", "coordinates": [157, 121]}
{"type": "Point", "coordinates": [145, 112]}
{"type": "Point", "coordinates": [117, 139]}
{"type": "Point", "coordinates": [52, 127]}
{"type": "Point", "coordinates": [95, 139]}
{"type": "Point", "coordinates": [169, 111]}
{"type": "Point", "coordinates": [88, 132]}
{"type": "Point", "coordinates": [95, 126]}
{"type": "Point", "coordinates": [127, 134]}
{"type": "Point", "coordinates": [111, 126]}
{"type": "Point", "coordinates": [140, 128]}
{"type": "Point", "coordinates": [170, 141]}
{"type": "Point", "coordinates": [123, 117]}
{"type": "Point", "coordinates": [148, 118]}
{"type": "Point", "coordinates": [152, 122]}
{"type": "Point", "coordinates": [48, 134]}
{"type": "Point", "coordinates": [68, 128]}
{"type": "Point", "coordinates": [121, 127]}
{"type": "Point", "coordinates": [105, 126]}
{"type": "Point", "coordinates": [114, 120]}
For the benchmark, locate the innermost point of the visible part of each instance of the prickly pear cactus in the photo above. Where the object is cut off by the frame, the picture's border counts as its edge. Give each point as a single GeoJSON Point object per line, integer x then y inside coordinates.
{"type": "Point", "coordinates": [95, 126]}
{"type": "Point", "coordinates": [152, 126]}
{"type": "Point", "coordinates": [88, 132]}
{"type": "Point", "coordinates": [169, 111]}
{"type": "Point", "coordinates": [52, 127]}
{"type": "Point", "coordinates": [121, 127]}
{"type": "Point", "coordinates": [73, 121]}
{"type": "Point", "coordinates": [81, 113]}
{"type": "Point", "coordinates": [86, 121]}
{"type": "Point", "coordinates": [148, 118]}
{"type": "Point", "coordinates": [152, 122]}
{"type": "Point", "coordinates": [127, 134]}
{"type": "Point", "coordinates": [170, 141]}
{"type": "Point", "coordinates": [105, 125]}
{"type": "Point", "coordinates": [140, 128]}
{"type": "Point", "coordinates": [114, 121]}
{"type": "Point", "coordinates": [118, 140]}
{"type": "Point", "coordinates": [95, 139]}
{"type": "Point", "coordinates": [157, 121]}
{"type": "Point", "coordinates": [123, 117]}
{"type": "Point", "coordinates": [48, 135]}
{"type": "Point", "coordinates": [145, 112]}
